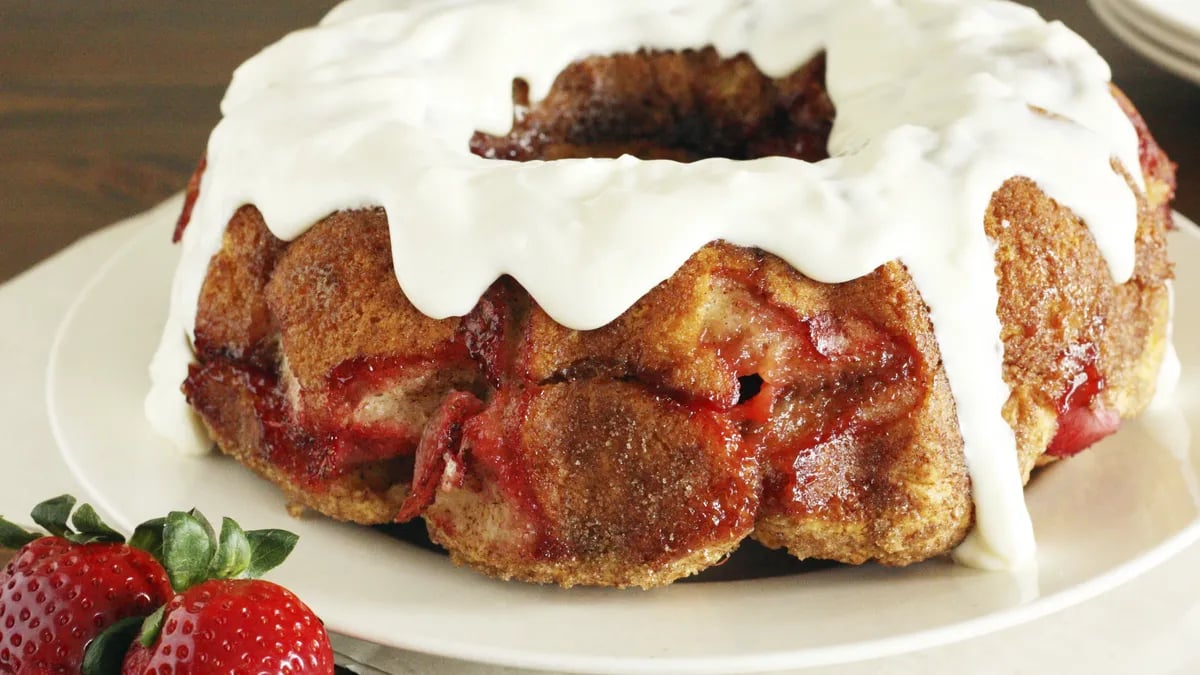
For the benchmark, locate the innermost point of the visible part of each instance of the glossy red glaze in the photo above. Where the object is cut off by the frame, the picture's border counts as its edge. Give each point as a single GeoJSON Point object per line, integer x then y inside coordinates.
{"type": "Point", "coordinates": [349, 383]}
{"type": "Point", "coordinates": [836, 412]}
{"type": "Point", "coordinates": [494, 441]}
{"type": "Point", "coordinates": [757, 408]}
{"type": "Point", "coordinates": [726, 509]}
{"type": "Point", "coordinates": [791, 468]}
{"type": "Point", "coordinates": [440, 443]}
{"type": "Point", "coordinates": [1079, 428]}
{"type": "Point", "coordinates": [484, 333]}
{"type": "Point", "coordinates": [746, 353]}
{"type": "Point", "coordinates": [1081, 420]}
{"type": "Point", "coordinates": [364, 444]}
{"type": "Point", "coordinates": [496, 453]}
{"type": "Point", "coordinates": [320, 449]}
{"type": "Point", "coordinates": [288, 446]}
{"type": "Point", "coordinates": [352, 380]}
{"type": "Point", "coordinates": [1084, 387]}
{"type": "Point", "coordinates": [837, 363]}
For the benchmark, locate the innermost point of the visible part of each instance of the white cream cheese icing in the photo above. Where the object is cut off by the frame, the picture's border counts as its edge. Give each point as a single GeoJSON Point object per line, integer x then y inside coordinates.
{"type": "Point", "coordinates": [375, 106]}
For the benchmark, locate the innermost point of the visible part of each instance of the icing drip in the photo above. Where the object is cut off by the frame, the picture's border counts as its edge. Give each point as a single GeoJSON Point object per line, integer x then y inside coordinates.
{"type": "Point", "coordinates": [375, 106]}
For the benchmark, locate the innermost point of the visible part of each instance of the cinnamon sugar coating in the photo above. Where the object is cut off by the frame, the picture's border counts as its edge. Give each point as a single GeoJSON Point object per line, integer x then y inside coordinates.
{"type": "Point", "coordinates": [738, 398]}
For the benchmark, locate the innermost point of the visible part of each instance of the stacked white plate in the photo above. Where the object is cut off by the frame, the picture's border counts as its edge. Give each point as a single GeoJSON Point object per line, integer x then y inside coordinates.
{"type": "Point", "coordinates": [1164, 31]}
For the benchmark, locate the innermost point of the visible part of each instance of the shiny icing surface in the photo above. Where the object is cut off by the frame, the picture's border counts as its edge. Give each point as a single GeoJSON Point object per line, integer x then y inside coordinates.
{"type": "Point", "coordinates": [935, 110]}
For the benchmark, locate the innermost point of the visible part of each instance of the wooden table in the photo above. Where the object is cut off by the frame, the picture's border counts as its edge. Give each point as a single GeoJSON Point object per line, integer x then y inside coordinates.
{"type": "Point", "coordinates": [105, 106]}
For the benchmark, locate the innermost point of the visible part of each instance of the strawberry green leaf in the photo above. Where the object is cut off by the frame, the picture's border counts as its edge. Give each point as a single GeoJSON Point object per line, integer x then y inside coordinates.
{"type": "Point", "coordinates": [152, 627]}
{"type": "Point", "coordinates": [52, 514]}
{"type": "Point", "coordinates": [187, 550]}
{"type": "Point", "coordinates": [91, 528]}
{"type": "Point", "coordinates": [14, 536]}
{"type": "Point", "coordinates": [233, 555]}
{"type": "Point", "coordinates": [268, 549]}
{"type": "Point", "coordinates": [106, 653]}
{"type": "Point", "coordinates": [208, 528]}
{"type": "Point", "coordinates": [149, 537]}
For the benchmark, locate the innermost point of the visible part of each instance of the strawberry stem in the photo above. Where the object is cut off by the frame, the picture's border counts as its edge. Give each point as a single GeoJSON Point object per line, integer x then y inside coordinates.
{"type": "Point", "coordinates": [191, 552]}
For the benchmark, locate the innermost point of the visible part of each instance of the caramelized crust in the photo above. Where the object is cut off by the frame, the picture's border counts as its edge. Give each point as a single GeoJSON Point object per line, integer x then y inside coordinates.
{"type": "Point", "coordinates": [1067, 328]}
{"type": "Point", "coordinates": [332, 307]}
{"type": "Point", "coordinates": [230, 405]}
{"type": "Point", "coordinates": [685, 106]}
{"type": "Point", "coordinates": [738, 398]}
{"type": "Point", "coordinates": [233, 316]}
{"type": "Point", "coordinates": [597, 482]}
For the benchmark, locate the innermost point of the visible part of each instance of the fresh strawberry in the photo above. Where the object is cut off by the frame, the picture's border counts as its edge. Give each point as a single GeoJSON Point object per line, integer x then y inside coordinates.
{"type": "Point", "coordinates": [228, 626]}
{"type": "Point", "coordinates": [224, 619]}
{"type": "Point", "coordinates": [73, 602]}
{"type": "Point", "coordinates": [61, 593]}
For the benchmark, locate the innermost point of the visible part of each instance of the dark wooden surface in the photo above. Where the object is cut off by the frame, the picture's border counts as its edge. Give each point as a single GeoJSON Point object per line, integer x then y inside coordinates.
{"type": "Point", "coordinates": [106, 105]}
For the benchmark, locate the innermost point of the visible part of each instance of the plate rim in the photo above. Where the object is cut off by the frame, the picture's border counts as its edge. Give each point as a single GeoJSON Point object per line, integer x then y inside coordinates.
{"type": "Point", "coordinates": [1149, 48]}
{"type": "Point", "coordinates": [755, 662]}
{"type": "Point", "coordinates": [1153, 29]}
{"type": "Point", "coordinates": [1192, 31]}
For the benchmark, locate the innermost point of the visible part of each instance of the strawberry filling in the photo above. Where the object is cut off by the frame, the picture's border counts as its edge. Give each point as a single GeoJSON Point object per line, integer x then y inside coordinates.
{"type": "Point", "coordinates": [1079, 428]}
{"type": "Point", "coordinates": [802, 391]}
{"type": "Point", "coordinates": [440, 444]}
{"type": "Point", "coordinates": [1082, 420]}
{"type": "Point", "coordinates": [357, 439]}
{"type": "Point", "coordinates": [493, 439]}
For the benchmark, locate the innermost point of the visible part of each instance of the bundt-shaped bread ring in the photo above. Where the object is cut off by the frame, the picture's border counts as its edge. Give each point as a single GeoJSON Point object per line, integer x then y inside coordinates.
{"type": "Point", "coordinates": [738, 398]}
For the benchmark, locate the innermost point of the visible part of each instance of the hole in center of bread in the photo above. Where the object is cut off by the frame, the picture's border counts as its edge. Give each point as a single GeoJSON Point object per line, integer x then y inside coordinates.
{"type": "Point", "coordinates": [677, 105]}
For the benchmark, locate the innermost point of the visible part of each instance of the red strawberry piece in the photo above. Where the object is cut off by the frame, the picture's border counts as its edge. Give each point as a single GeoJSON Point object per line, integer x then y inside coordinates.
{"type": "Point", "coordinates": [57, 596]}
{"type": "Point", "coordinates": [1079, 428]}
{"type": "Point", "coordinates": [234, 626]}
{"type": "Point", "coordinates": [1082, 418]}
{"type": "Point", "coordinates": [486, 330]}
{"type": "Point", "coordinates": [439, 445]}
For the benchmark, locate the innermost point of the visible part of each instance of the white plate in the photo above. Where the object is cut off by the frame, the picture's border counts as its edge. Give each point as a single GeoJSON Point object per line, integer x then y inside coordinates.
{"type": "Point", "coordinates": [1183, 16]}
{"type": "Point", "coordinates": [1156, 23]}
{"type": "Point", "coordinates": [1152, 26]}
{"type": "Point", "coordinates": [1133, 33]}
{"type": "Point", "coordinates": [1101, 519]}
